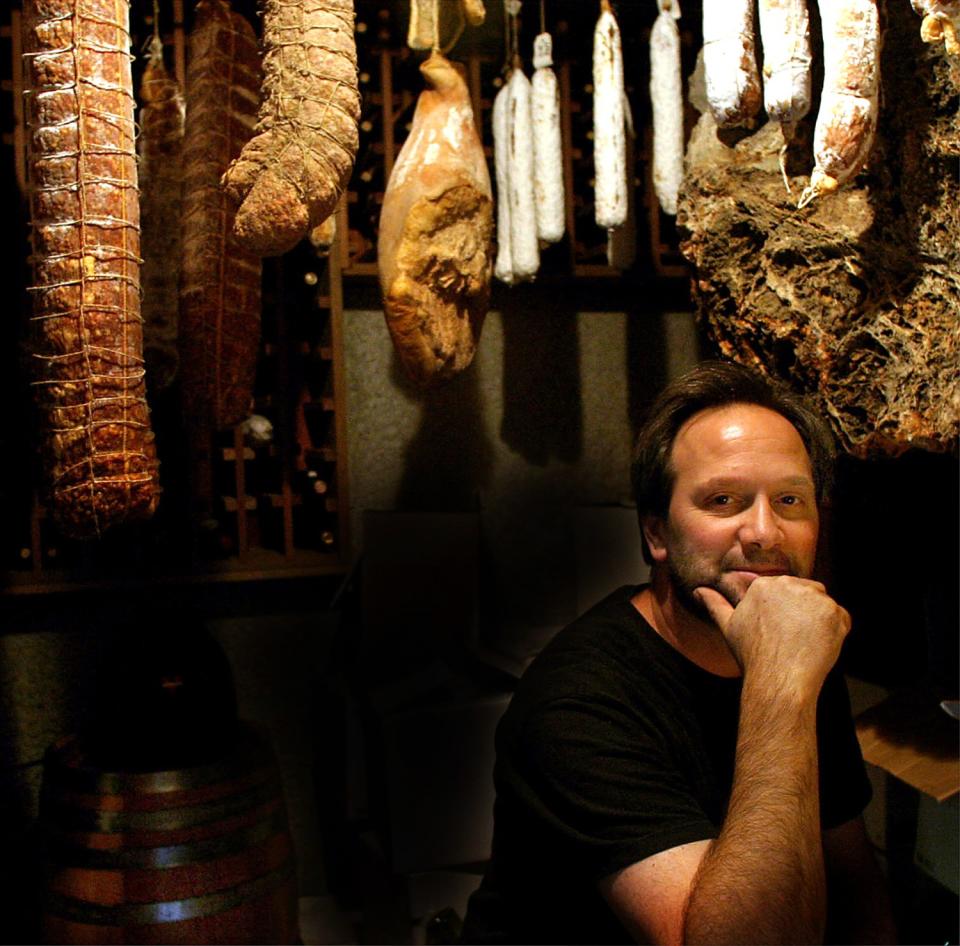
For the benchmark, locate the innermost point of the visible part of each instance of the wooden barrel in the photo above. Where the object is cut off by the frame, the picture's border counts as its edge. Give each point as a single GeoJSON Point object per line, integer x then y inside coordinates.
{"type": "Point", "coordinates": [192, 855]}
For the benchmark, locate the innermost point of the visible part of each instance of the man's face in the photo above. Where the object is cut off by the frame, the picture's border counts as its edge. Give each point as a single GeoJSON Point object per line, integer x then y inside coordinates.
{"type": "Point", "coordinates": [743, 504]}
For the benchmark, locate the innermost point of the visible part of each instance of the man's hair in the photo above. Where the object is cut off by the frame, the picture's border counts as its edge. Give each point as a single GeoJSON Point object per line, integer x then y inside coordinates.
{"type": "Point", "coordinates": [717, 384]}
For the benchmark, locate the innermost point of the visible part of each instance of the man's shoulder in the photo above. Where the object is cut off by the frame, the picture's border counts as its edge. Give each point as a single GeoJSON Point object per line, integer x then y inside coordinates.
{"type": "Point", "coordinates": [611, 622]}
{"type": "Point", "coordinates": [605, 650]}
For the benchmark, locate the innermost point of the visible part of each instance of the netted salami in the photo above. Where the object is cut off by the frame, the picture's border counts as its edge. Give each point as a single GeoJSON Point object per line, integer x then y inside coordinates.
{"type": "Point", "coordinates": [220, 281]}
{"type": "Point", "coordinates": [98, 449]}
{"type": "Point", "coordinates": [291, 175]}
{"type": "Point", "coordinates": [160, 150]}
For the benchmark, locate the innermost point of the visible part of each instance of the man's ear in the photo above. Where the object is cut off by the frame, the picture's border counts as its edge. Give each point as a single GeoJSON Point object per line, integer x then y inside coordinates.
{"type": "Point", "coordinates": [653, 531]}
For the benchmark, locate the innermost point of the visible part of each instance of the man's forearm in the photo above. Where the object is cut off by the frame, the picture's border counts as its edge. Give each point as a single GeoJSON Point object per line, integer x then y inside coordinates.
{"type": "Point", "coordinates": [762, 881]}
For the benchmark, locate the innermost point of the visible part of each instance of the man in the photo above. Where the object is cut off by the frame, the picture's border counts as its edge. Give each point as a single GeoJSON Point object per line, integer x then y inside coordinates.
{"type": "Point", "coordinates": [679, 765]}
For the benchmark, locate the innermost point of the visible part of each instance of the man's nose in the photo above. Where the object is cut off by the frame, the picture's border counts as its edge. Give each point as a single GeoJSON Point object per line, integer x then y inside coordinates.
{"type": "Point", "coordinates": [761, 525]}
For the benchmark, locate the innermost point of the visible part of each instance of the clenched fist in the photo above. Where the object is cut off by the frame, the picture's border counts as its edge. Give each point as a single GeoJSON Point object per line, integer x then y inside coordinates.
{"type": "Point", "coordinates": [786, 632]}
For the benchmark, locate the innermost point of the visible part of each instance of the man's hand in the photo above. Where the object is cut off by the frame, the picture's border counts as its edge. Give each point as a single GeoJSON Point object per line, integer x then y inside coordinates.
{"type": "Point", "coordinates": [786, 630]}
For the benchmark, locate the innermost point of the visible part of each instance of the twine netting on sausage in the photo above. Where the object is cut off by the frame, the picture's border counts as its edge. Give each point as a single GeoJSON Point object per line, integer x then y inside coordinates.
{"type": "Point", "coordinates": [219, 330]}
{"type": "Point", "coordinates": [96, 440]}
{"type": "Point", "coordinates": [291, 175]}
{"type": "Point", "coordinates": [160, 155]}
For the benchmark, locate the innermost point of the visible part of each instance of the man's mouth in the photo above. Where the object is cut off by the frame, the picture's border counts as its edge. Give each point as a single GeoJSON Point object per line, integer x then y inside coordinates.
{"type": "Point", "coordinates": [759, 572]}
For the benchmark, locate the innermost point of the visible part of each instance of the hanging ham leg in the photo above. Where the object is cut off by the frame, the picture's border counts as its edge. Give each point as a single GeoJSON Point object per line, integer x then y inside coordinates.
{"type": "Point", "coordinates": [435, 242]}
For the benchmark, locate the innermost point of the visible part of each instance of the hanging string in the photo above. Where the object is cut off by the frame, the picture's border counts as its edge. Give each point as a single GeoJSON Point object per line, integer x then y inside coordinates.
{"type": "Point", "coordinates": [153, 44]}
{"type": "Point", "coordinates": [512, 14]}
{"type": "Point", "coordinates": [543, 17]}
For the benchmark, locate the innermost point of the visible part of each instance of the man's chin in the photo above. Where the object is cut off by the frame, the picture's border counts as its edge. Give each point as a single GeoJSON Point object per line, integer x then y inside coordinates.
{"type": "Point", "coordinates": [684, 592]}
{"type": "Point", "coordinates": [734, 586]}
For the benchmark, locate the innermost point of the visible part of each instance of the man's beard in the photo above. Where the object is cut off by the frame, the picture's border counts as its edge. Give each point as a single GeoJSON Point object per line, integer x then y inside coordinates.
{"type": "Point", "coordinates": [684, 586]}
{"type": "Point", "coordinates": [686, 575]}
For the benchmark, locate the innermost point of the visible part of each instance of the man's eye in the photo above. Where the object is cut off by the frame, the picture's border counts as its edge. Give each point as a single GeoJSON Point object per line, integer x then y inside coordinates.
{"type": "Point", "coordinates": [721, 500]}
{"type": "Point", "coordinates": [791, 500]}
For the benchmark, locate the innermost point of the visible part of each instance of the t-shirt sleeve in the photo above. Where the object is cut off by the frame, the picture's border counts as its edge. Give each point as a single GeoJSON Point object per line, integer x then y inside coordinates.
{"type": "Point", "coordinates": [601, 786]}
{"type": "Point", "coordinates": [845, 789]}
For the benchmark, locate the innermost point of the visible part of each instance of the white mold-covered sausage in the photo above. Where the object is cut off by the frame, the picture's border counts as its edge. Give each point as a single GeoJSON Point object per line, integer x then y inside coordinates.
{"type": "Point", "coordinates": [622, 240]}
{"type": "Point", "coordinates": [785, 32]}
{"type": "Point", "coordinates": [609, 145]}
{"type": "Point", "coordinates": [524, 247]}
{"type": "Point", "coordinates": [547, 144]}
{"type": "Point", "coordinates": [730, 62]}
{"type": "Point", "coordinates": [503, 269]}
{"type": "Point", "coordinates": [666, 96]}
{"type": "Point", "coordinates": [847, 118]}
{"type": "Point", "coordinates": [941, 23]}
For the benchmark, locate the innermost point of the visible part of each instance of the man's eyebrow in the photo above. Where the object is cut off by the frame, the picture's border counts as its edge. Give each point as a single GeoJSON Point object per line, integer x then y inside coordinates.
{"type": "Point", "coordinates": [798, 481]}
{"type": "Point", "coordinates": [716, 482]}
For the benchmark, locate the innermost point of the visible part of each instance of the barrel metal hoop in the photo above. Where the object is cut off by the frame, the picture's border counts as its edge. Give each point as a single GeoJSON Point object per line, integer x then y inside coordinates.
{"type": "Point", "coordinates": [173, 911]}
{"type": "Point", "coordinates": [69, 818]}
{"type": "Point", "coordinates": [171, 855]}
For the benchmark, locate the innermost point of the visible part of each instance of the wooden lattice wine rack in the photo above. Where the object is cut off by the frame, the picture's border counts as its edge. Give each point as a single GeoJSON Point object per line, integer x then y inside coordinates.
{"type": "Point", "coordinates": [280, 509]}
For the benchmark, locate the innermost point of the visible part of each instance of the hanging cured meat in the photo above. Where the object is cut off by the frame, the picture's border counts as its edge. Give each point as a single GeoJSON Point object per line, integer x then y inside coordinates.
{"type": "Point", "coordinates": [161, 179]}
{"type": "Point", "coordinates": [847, 119]}
{"type": "Point", "coordinates": [518, 247]}
{"type": "Point", "coordinates": [220, 285]}
{"type": "Point", "coordinates": [785, 32]}
{"type": "Point", "coordinates": [289, 178]}
{"type": "Point", "coordinates": [609, 123]}
{"type": "Point", "coordinates": [503, 269]}
{"type": "Point", "coordinates": [547, 143]}
{"type": "Point", "coordinates": [96, 442]}
{"type": "Point", "coordinates": [666, 96]}
{"type": "Point", "coordinates": [622, 240]}
{"type": "Point", "coordinates": [474, 11]}
{"type": "Point", "coordinates": [730, 63]}
{"type": "Point", "coordinates": [941, 23]}
{"type": "Point", "coordinates": [524, 246]}
{"type": "Point", "coordinates": [424, 26]}
{"type": "Point", "coordinates": [423, 31]}
{"type": "Point", "coordinates": [435, 242]}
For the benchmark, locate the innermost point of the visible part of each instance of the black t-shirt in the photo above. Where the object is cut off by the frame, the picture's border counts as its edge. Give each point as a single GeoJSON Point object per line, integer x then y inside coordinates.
{"type": "Point", "coordinates": [615, 747]}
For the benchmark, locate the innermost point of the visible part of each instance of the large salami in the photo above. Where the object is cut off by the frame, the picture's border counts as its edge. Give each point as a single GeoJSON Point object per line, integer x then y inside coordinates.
{"type": "Point", "coordinates": [289, 178]}
{"type": "Point", "coordinates": [220, 280]}
{"type": "Point", "coordinates": [161, 184]}
{"type": "Point", "coordinates": [96, 442]}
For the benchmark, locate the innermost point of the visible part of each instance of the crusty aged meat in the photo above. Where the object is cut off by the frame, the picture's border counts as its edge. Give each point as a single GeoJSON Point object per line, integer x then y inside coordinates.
{"type": "Point", "coordinates": [435, 245]}
{"type": "Point", "coordinates": [160, 149]}
{"type": "Point", "coordinates": [97, 446]}
{"type": "Point", "coordinates": [289, 178]}
{"type": "Point", "coordinates": [220, 281]}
